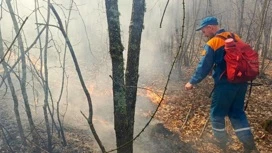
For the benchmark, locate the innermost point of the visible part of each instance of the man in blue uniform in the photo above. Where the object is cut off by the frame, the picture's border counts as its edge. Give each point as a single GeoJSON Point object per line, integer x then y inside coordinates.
{"type": "Point", "coordinates": [228, 98]}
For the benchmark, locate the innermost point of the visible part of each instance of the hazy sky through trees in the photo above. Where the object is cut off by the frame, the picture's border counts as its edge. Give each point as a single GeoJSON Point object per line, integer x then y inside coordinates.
{"type": "Point", "coordinates": [93, 56]}
{"type": "Point", "coordinates": [88, 34]}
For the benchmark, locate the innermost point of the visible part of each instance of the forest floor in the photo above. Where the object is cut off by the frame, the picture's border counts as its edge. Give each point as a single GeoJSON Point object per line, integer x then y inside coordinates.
{"type": "Point", "coordinates": [186, 113]}
{"type": "Point", "coordinates": [181, 124]}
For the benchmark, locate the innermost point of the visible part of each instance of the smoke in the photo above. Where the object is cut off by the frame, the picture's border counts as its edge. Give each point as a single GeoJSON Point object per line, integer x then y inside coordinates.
{"type": "Point", "coordinates": [88, 34]}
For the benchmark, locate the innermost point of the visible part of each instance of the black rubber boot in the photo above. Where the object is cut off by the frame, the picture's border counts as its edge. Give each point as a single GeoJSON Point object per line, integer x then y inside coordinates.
{"type": "Point", "coordinates": [250, 148]}
{"type": "Point", "coordinates": [222, 145]}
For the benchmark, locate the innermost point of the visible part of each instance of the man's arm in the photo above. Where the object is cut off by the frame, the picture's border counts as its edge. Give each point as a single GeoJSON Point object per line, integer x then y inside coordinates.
{"type": "Point", "coordinates": [203, 68]}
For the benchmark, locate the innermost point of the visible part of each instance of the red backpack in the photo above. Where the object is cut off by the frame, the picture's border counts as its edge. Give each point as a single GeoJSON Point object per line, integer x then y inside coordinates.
{"type": "Point", "coordinates": [241, 60]}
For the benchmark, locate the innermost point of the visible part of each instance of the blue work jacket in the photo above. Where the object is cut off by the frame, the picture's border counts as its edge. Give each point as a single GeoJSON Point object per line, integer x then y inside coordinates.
{"type": "Point", "coordinates": [213, 59]}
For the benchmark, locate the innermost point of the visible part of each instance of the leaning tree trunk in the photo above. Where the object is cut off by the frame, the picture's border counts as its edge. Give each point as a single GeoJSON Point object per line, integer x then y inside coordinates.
{"type": "Point", "coordinates": [116, 52]}
{"type": "Point", "coordinates": [82, 82]}
{"type": "Point", "coordinates": [46, 85]}
{"type": "Point", "coordinates": [135, 34]}
{"type": "Point", "coordinates": [13, 93]}
{"type": "Point", "coordinates": [23, 79]}
{"type": "Point", "coordinates": [193, 47]}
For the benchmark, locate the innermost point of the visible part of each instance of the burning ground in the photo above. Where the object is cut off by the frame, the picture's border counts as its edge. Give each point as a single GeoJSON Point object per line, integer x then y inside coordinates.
{"type": "Point", "coordinates": [181, 124]}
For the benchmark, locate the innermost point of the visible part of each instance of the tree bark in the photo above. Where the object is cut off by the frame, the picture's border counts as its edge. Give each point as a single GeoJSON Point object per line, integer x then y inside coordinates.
{"type": "Point", "coordinates": [132, 70]}
{"type": "Point", "coordinates": [116, 53]}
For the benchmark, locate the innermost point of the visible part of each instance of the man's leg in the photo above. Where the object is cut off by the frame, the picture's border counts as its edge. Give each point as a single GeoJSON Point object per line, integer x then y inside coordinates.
{"type": "Point", "coordinates": [239, 120]}
{"type": "Point", "coordinates": [221, 101]}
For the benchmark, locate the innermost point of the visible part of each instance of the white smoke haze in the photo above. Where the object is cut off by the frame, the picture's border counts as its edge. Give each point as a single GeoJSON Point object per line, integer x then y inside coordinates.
{"type": "Point", "coordinates": [90, 43]}
{"type": "Point", "coordinates": [88, 34]}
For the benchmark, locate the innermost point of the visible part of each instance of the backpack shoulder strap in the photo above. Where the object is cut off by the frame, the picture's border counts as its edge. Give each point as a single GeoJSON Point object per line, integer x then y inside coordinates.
{"type": "Point", "coordinates": [232, 35]}
{"type": "Point", "coordinates": [220, 36]}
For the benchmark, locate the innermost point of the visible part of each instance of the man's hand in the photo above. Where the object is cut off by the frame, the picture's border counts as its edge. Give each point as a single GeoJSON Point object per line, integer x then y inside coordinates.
{"type": "Point", "coordinates": [188, 86]}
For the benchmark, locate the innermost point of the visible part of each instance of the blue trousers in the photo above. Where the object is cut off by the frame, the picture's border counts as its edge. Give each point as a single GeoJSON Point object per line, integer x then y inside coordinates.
{"type": "Point", "coordinates": [228, 100]}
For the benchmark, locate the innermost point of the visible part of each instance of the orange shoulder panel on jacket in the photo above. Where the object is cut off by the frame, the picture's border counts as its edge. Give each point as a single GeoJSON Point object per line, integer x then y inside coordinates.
{"type": "Point", "coordinates": [216, 42]}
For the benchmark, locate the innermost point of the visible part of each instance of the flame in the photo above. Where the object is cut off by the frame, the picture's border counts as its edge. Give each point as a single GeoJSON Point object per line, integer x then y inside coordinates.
{"type": "Point", "coordinates": [13, 56]}
{"type": "Point", "coordinates": [153, 96]}
{"type": "Point", "coordinates": [96, 91]}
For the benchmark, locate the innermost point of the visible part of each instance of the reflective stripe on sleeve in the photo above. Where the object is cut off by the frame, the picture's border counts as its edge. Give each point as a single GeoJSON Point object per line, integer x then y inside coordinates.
{"type": "Point", "coordinates": [242, 129]}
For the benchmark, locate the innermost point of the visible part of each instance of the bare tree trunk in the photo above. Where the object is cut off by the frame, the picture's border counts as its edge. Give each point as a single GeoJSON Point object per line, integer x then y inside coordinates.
{"type": "Point", "coordinates": [209, 8]}
{"type": "Point", "coordinates": [270, 45]}
{"type": "Point", "coordinates": [241, 17]}
{"type": "Point", "coordinates": [196, 10]}
{"type": "Point", "coordinates": [23, 79]}
{"type": "Point", "coordinates": [190, 43]}
{"type": "Point", "coordinates": [46, 86]}
{"type": "Point", "coordinates": [266, 43]}
{"type": "Point", "coordinates": [87, 94]}
{"type": "Point", "coordinates": [190, 47]}
{"type": "Point", "coordinates": [184, 53]}
{"type": "Point", "coordinates": [251, 22]}
{"type": "Point", "coordinates": [132, 70]}
{"type": "Point", "coordinates": [116, 52]}
{"type": "Point", "coordinates": [261, 28]}
{"type": "Point", "coordinates": [62, 82]}
{"type": "Point", "coordinates": [13, 93]}
{"type": "Point", "coordinates": [177, 67]}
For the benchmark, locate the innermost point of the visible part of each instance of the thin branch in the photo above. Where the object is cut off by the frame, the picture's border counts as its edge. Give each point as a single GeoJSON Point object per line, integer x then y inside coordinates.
{"type": "Point", "coordinates": [5, 137]}
{"type": "Point", "coordinates": [47, 25]}
{"type": "Point", "coordinates": [1, 7]}
{"type": "Point", "coordinates": [3, 58]}
{"type": "Point", "coordinates": [6, 89]}
{"type": "Point", "coordinates": [80, 78]}
{"type": "Point", "coordinates": [86, 31]}
{"type": "Point", "coordinates": [164, 13]}
{"type": "Point", "coordinates": [187, 117]}
{"type": "Point", "coordinates": [18, 60]}
{"type": "Point", "coordinates": [63, 79]}
{"type": "Point", "coordinates": [205, 125]}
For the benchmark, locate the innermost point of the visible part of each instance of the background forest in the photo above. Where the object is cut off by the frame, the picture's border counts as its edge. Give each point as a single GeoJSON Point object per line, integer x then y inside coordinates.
{"type": "Point", "coordinates": [108, 75]}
